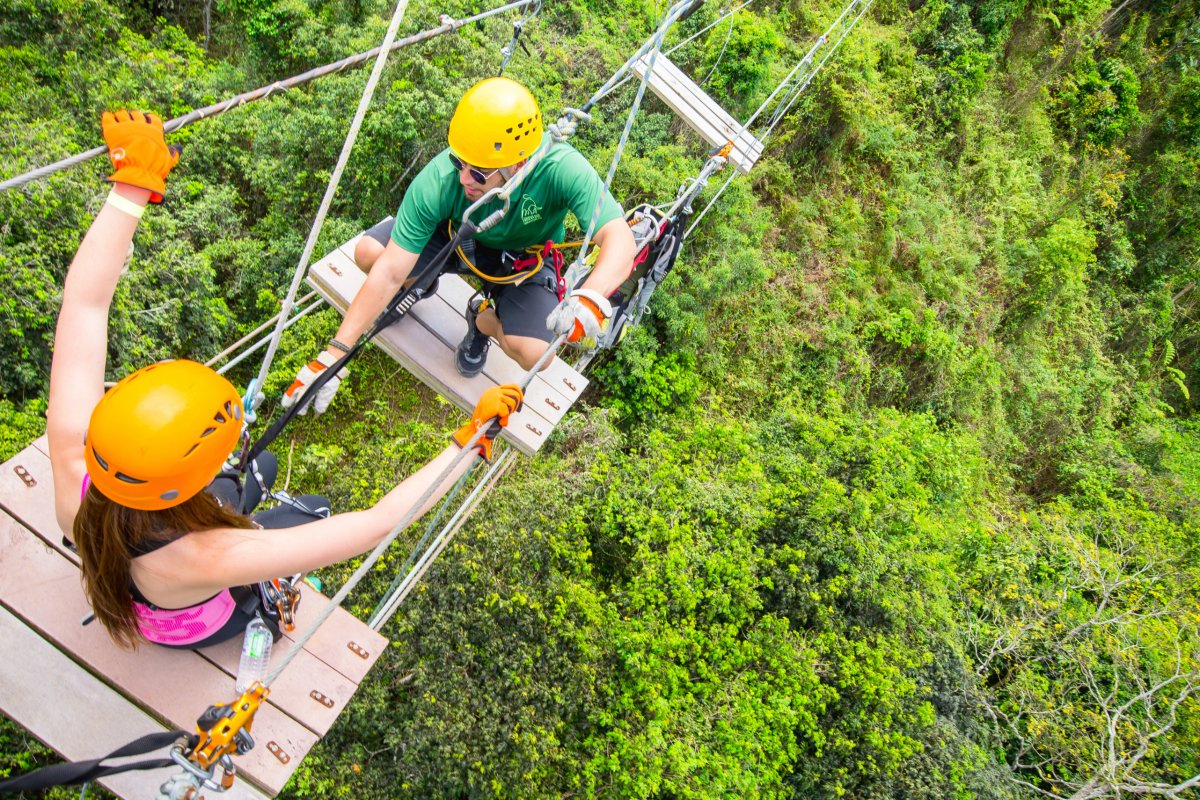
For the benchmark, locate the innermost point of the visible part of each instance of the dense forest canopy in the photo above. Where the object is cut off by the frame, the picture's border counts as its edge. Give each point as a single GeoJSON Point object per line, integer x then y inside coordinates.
{"type": "Point", "coordinates": [893, 494]}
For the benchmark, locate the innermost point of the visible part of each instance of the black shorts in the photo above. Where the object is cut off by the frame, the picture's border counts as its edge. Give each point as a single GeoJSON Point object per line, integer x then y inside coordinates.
{"type": "Point", "coordinates": [522, 309]}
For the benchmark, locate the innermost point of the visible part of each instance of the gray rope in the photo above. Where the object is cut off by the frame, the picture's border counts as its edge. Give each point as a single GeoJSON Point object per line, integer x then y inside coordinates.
{"type": "Point", "coordinates": [721, 55]}
{"type": "Point", "coordinates": [794, 93]}
{"type": "Point", "coordinates": [370, 561]}
{"type": "Point", "coordinates": [448, 25]}
{"type": "Point", "coordinates": [402, 585]}
{"type": "Point", "coordinates": [655, 47]}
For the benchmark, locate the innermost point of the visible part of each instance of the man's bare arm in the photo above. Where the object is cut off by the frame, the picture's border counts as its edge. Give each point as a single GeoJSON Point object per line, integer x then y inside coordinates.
{"type": "Point", "coordinates": [387, 275]}
{"type": "Point", "coordinates": [617, 249]}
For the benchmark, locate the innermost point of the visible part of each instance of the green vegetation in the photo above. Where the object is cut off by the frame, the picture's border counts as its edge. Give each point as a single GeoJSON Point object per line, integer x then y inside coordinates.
{"type": "Point", "coordinates": [894, 494]}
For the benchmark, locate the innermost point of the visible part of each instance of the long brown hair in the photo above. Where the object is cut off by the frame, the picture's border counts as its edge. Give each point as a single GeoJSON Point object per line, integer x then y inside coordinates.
{"type": "Point", "coordinates": [107, 533]}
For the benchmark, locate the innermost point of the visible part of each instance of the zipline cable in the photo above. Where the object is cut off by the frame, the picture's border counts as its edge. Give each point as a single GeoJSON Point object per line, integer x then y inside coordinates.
{"type": "Point", "coordinates": [790, 98]}
{"type": "Point", "coordinates": [448, 25]}
{"type": "Point", "coordinates": [417, 566]}
{"type": "Point", "coordinates": [468, 451]}
{"type": "Point", "coordinates": [674, 13]}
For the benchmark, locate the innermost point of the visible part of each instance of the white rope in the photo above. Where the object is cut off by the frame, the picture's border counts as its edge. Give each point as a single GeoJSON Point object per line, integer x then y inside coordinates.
{"type": "Point", "coordinates": [347, 146]}
{"type": "Point", "coordinates": [468, 451]}
{"type": "Point", "coordinates": [578, 268]}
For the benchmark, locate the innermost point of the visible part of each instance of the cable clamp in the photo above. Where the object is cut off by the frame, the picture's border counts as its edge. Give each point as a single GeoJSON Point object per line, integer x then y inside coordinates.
{"type": "Point", "coordinates": [223, 731]}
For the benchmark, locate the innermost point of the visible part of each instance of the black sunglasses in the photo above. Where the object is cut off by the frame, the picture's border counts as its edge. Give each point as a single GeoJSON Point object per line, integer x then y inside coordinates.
{"type": "Point", "coordinates": [477, 175]}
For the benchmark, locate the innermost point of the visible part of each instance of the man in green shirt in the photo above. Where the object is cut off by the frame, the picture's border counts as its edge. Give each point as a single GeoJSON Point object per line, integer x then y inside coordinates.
{"type": "Point", "coordinates": [496, 127]}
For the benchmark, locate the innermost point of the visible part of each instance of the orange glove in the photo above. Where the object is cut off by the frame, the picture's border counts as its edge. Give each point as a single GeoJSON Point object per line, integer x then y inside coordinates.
{"type": "Point", "coordinates": [582, 313]}
{"type": "Point", "coordinates": [492, 410]}
{"type": "Point", "coordinates": [138, 151]}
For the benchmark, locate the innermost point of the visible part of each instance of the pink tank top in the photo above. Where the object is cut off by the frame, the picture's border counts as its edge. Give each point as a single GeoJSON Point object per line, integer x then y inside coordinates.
{"type": "Point", "coordinates": [181, 626]}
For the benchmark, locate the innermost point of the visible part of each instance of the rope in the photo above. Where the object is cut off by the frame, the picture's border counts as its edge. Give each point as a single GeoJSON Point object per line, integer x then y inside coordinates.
{"type": "Point", "coordinates": [403, 583]}
{"type": "Point", "coordinates": [369, 562]}
{"type": "Point", "coordinates": [721, 55]}
{"type": "Point", "coordinates": [793, 95]}
{"type": "Point", "coordinates": [330, 189]}
{"type": "Point", "coordinates": [655, 47]}
{"type": "Point", "coordinates": [448, 25]}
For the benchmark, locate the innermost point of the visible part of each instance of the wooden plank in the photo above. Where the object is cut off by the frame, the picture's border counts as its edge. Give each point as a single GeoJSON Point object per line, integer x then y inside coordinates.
{"type": "Point", "coordinates": [42, 588]}
{"type": "Point", "coordinates": [449, 326]}
{"type": "Point", "coordinates": [559, 375]}
{"type": "Point", "coordinates": [700, 111]}
{"type": "Point", "coordinates": [424, 342]}
{"type": "Point", "coordinates": [317, 669]}
{"type": "Point", "coordinates": [333, 642]}
{"type": "Point", "coordinates": [35, 679]}
{"type": "Point", "coordinates": [30, 499]}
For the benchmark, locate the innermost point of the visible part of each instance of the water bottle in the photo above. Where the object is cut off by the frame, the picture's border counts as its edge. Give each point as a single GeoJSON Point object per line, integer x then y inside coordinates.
{"type": "Point", "coordinates": [256, 654]}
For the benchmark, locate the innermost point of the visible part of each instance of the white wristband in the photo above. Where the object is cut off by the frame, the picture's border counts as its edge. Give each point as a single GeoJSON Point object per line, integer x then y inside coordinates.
{"type": "Point", "coordinates": [124, 205]}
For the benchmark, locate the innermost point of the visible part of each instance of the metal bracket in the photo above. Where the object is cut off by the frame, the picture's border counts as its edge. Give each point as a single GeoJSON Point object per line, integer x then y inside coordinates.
{"type": "Point", "coordinates": [24, 475]}
{"type": "Point", "coordinates": [353, 647]}
{"type": "Point", "coordinates": [321, 698]}
{"type": "Point", "coordinates": [535, 431]}
{"type": "Point", "coordinates": [274, 749]}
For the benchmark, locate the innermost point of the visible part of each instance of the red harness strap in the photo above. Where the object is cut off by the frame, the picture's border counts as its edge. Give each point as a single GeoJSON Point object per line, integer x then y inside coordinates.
{"type": "Point", "coordinates": [536, 259]}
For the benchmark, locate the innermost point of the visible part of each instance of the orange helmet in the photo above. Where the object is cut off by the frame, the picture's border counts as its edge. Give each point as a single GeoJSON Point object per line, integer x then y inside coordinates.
{"type": "Point", "coordinates": [160, 435]}
{"type": "Point", "coordinates": [496, 124]}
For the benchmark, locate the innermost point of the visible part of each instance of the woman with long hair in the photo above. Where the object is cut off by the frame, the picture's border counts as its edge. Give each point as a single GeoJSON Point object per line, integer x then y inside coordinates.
{"type": "Point", "coordinates": [163, 560]}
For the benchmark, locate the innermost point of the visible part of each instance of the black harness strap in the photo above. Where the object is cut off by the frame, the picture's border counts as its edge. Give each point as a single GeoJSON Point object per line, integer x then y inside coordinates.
{"type": "Point", "coordinates": [396, 308]}
{"type": "Point", "coordinates": [74, 773]}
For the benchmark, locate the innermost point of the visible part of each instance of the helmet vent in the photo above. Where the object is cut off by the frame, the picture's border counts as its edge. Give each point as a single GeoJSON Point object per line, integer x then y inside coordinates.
{"type": "Point", "coordinates": [208, 432]}
{"type": "Point", "coordinates": [121, 476]}
{"type": "Point", "coordinates": [100, 460]}
{"type": "Point", "coordinates": [191, 450]}
{"type": "Point", "coordinates": [171, 495]}
{"type": "Point", "coordinates": [219, 417]}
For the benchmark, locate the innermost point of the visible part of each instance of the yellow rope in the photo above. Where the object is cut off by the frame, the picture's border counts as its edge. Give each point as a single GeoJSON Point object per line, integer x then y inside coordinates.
{"type": "Point", "coordinates": [533, 250]}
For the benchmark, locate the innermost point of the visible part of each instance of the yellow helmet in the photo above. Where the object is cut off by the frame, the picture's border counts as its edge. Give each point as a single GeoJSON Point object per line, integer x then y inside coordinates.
{"type": "Point", "coordinates": [496, 124]}
{"type": "Point", "coordinates": [160, 435]}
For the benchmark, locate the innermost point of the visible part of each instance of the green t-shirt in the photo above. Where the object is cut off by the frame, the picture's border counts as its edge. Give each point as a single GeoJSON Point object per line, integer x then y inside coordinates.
{"type": "Point", "coordinates": [562, 181]}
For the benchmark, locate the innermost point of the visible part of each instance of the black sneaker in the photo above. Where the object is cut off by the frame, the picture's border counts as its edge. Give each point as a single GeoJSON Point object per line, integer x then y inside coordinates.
{"type": "Point", "coordinates": [471, 354]}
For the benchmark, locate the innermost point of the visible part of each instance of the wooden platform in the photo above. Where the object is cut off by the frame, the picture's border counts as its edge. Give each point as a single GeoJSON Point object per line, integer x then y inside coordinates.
{"type": "Point", "coordinates": [424, 342]}
{"type": "Point", "coordinates": [72, 688]}
{"type": "Point", "coordinates": [700, 111]}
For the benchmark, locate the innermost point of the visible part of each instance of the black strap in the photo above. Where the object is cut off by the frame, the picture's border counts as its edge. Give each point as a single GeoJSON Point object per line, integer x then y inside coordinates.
{"type": "Point", "coordinates": [74, 773]}
{"type": "Point", "coordinates": [395, 309]}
